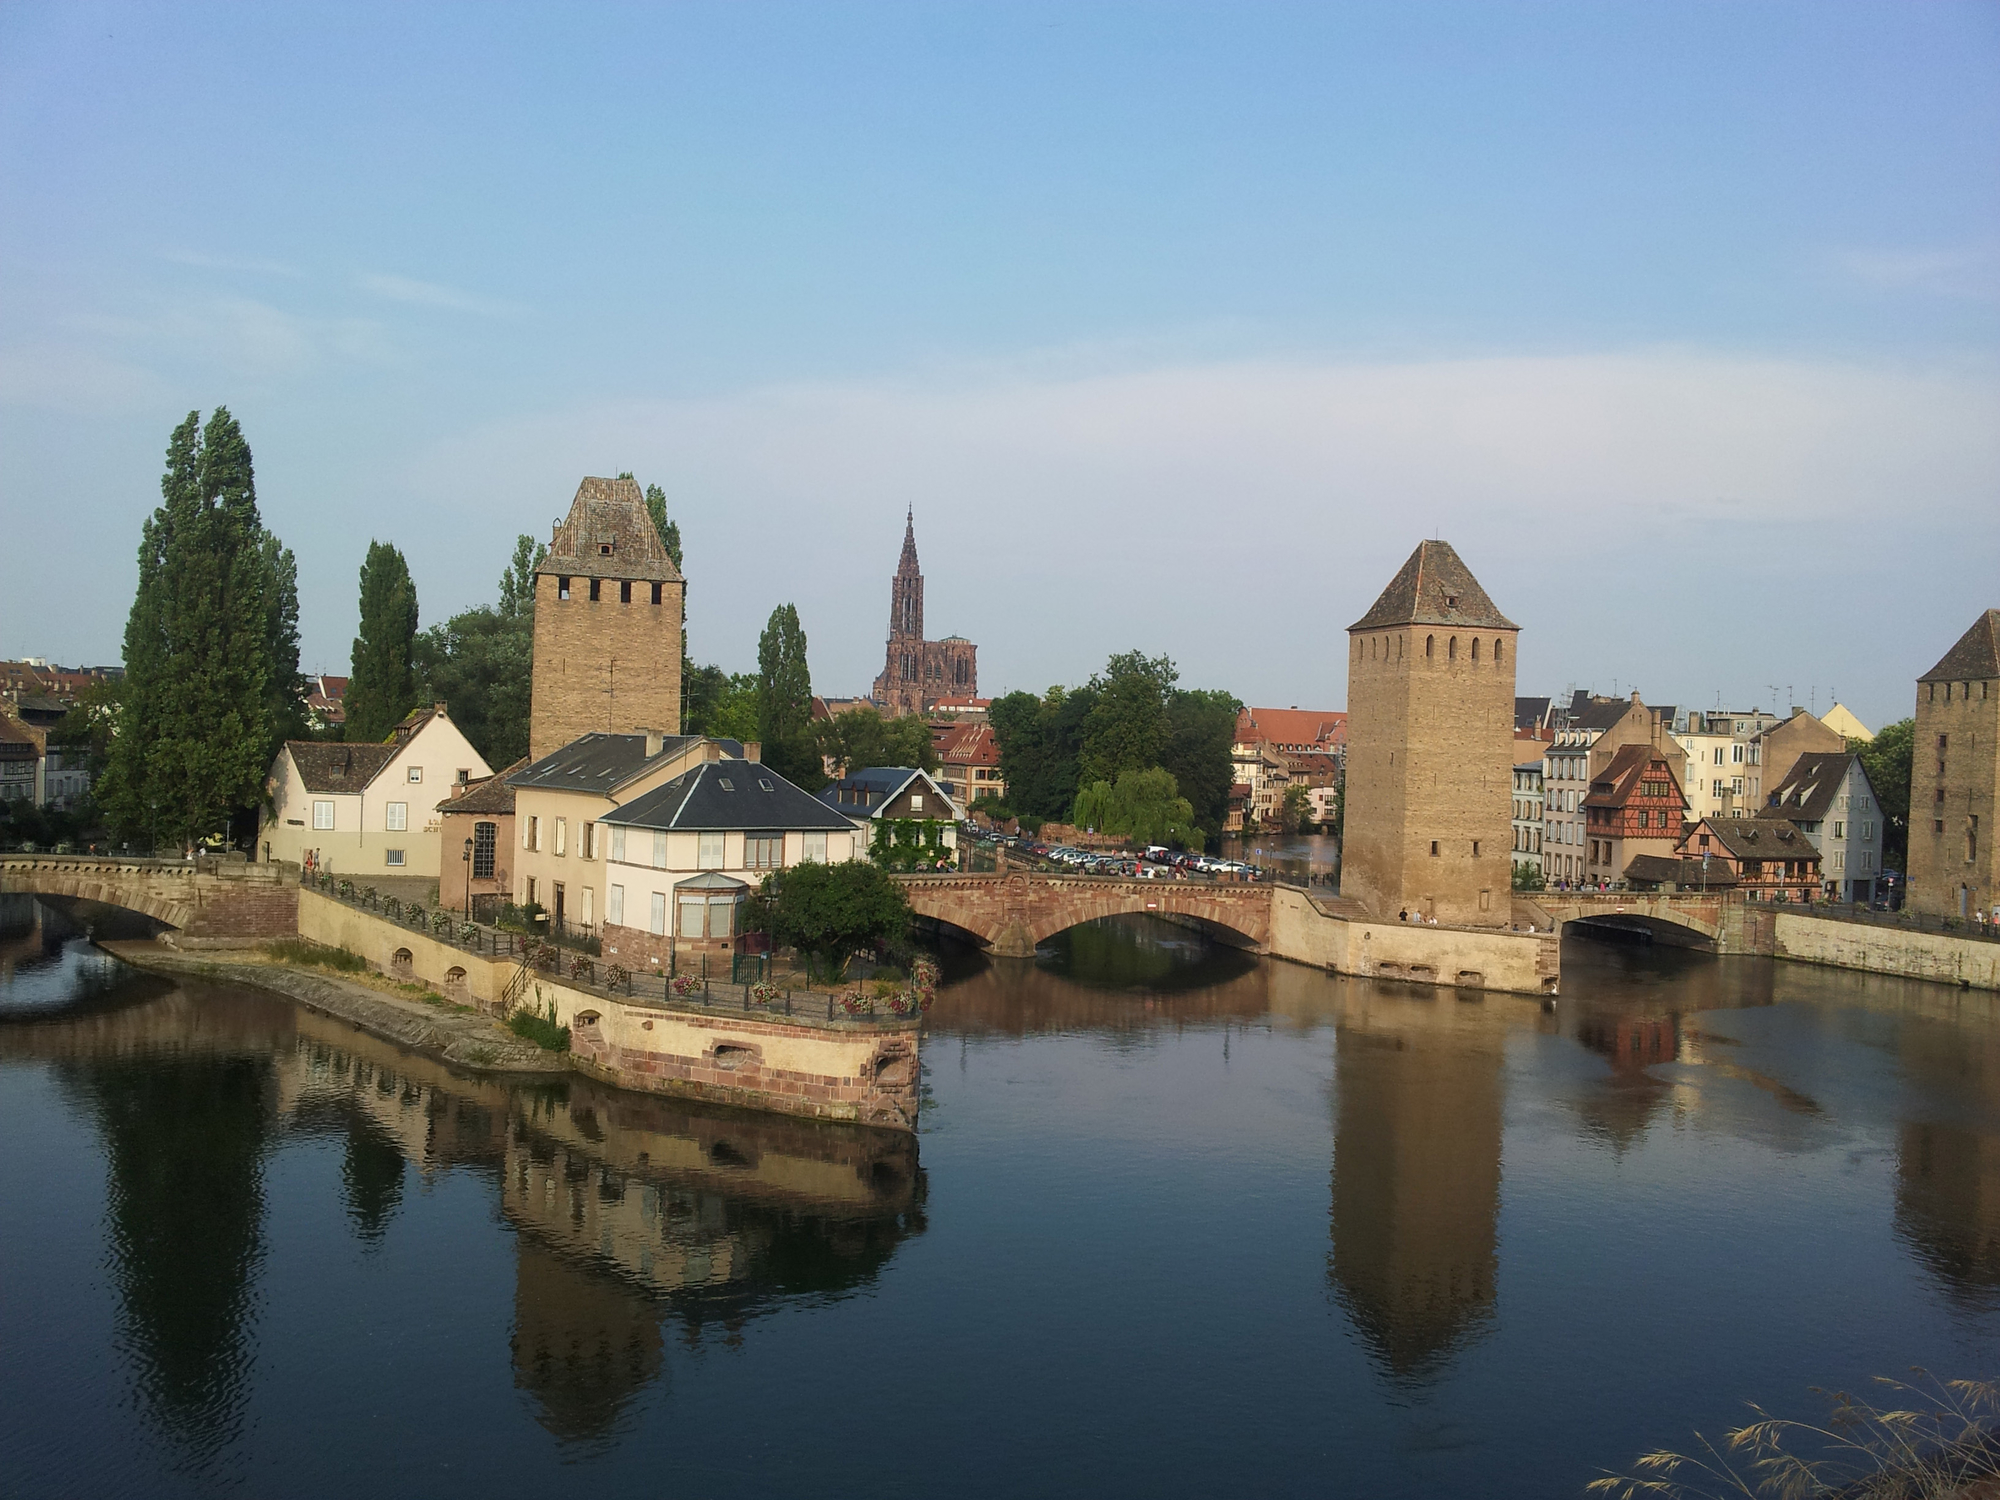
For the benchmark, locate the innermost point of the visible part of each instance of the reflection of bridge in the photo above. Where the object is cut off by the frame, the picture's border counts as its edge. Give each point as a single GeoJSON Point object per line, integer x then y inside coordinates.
{"type": "Point", "coordinates": [204, 898]}
{"type": "Point", "coordinates": [1012, 913]}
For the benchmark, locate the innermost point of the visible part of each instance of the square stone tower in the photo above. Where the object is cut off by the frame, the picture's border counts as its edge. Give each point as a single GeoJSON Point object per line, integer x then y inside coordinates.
{"type": "Point", "coordinates": [609, 613]}
{"type": "Point", "coordinates": [1955, 778]}
{"type": "Point", "coordinates": [1430, 748]}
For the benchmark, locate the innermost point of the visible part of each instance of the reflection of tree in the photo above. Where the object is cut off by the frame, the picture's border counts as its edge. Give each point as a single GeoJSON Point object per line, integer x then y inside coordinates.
{"type": "Point", "coordinates": [584, 1343]}
{"type": "Point", "coordinates": [371, 1173]}
{"type": "Point", "coordinates": [184, 1136]}
{"type": "Point", "coordinates": [1416, 1191]}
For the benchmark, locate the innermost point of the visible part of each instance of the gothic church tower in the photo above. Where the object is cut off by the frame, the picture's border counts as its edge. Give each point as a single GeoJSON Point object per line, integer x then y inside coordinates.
{"type": "Point", "coordinates": [1430, 748]}
{"type": "Point", "coordinates": [917, 673]}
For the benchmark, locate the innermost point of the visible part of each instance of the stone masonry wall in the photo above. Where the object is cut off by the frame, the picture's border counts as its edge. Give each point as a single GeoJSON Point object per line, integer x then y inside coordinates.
{"type": "Point", "coordinates": [603, 665]}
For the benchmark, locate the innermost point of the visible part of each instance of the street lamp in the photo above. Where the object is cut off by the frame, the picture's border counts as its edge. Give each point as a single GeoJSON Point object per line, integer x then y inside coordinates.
{"type": "Point", "coordinates": [467, 857]}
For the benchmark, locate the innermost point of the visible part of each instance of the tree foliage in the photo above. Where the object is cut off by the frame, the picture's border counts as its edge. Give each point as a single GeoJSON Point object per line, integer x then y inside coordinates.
{"type": "Point", "coordinates": [830, 911]}
{"type": "Point", "coordinates": [1040, 740]}
{"type": "Point", "coordinates": [670, 531]}
{"type": "Point", "coordinates": [1294, 809]}
{"type": "Point", "coordinates": [480, 663]}
{"type": "Point", "coordinates": [211, 646]}
{"type": "Point", "coordinates": [1144, 806]}
{"type": "Point", "coordinates": [1887, 760]}
{"type": "Point", "coordinates": [784, 701]}
{"type": "Point", "coordinates": [382, 685]}
{"type": "Point", "coordinates": [861, 737]}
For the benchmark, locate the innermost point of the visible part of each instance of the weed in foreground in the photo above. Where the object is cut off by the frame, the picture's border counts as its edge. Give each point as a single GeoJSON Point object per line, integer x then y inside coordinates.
{"type": "Point", "coordinates": [299, 951]}
{"type": "Point", "coordinates": [1927, 1439]}
{"type": "Point", "coordinates": [540, 1029]}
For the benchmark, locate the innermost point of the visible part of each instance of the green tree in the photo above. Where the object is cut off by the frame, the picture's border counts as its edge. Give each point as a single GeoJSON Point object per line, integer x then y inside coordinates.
{"type": "Point", "coordinates": [784, 701]}
{"type": "Point", "coordinates": [1294, 809]}
{"type": "Point", "coordinates": [383, 684]}
{"type": "Point", "coordinates": [1144, 806]}
{"type": "Point", "coordinates": [481, 662]}
{"type": "Point", "coordinates": [1201, 728]}
{"type": "Point", "coordinates": [1887, 760]}
{"type": "Point", "coordinates": [830, 911]}
{"type": "Point", "coordinates": [1528, 878]}
{"type": "Point", "coordinates": [1041, 741]}
{"type": "Point", "coordinates": [670, 531]}
{"type": "Point", "coordinates": [861, 737]}
{"type": "Point", "coordinates": [1127, 727]}
{"type": "Point", "coordinates": [91, 722]}
{"type": "Point", "coordinates": [211, 646]}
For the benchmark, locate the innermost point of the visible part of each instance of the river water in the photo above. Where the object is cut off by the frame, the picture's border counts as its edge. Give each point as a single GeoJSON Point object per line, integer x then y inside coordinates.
{"type": "Point", "coordinates": [1178, 1222]}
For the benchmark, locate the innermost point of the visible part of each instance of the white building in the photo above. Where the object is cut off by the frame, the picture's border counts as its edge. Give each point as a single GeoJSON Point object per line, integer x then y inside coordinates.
{"type": "Point", "coordinates": [1528, 822]}
{"type": "Point", "coordinates": [1722, 760]}
{"type": "Point", "coordinates": [364, 809]}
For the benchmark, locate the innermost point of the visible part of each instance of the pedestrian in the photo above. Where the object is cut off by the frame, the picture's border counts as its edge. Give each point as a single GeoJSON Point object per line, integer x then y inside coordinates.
{"type": "Point", "coordinates": [1403, 915]}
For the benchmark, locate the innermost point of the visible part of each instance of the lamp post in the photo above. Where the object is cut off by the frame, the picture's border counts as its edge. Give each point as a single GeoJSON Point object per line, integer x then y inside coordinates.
{"type": "Point", "coordinates": [467, 857]}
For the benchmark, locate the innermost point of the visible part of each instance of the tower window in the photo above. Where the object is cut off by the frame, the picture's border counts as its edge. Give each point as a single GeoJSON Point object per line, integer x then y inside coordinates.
{"type": "Point", "coordinates": [562, 588]}
{"type": "Point", "coordinates": [1434, 848]}
{"type": "Point", "coordinates": [1475, 649]}
{"type": "Point", "coordinates": [595, 584]}
{"type": "Point", "coordinates": [1497, 646]}
{"type": "Point", "coordinates": [1430, 645]}
{"type": "Point", "coordinates": [1451, 649]}
{"type": "Point", "coordinates": [625, 592]}
{"type": "Point", "coordinates": [657, 589]}
{"type": "Point", "coordinates": [604, 549]}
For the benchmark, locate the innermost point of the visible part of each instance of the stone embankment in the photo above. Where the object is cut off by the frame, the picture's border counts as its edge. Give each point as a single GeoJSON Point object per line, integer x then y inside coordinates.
{"type": "Point", "coordinates": [462, 1038]}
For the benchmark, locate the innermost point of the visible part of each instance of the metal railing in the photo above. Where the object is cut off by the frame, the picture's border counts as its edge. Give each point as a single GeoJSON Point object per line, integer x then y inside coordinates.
{"type": "Point", "coordinates": [754, 986]}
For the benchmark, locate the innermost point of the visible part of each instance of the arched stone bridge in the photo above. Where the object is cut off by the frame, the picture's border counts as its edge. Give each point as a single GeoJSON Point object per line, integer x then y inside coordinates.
{"type": "Point", "coordinates": [1011, 913]}
{"type": "Point", "coordinates": [1687, 917]}
{"type": "Point", "coordinates": [207, 899]}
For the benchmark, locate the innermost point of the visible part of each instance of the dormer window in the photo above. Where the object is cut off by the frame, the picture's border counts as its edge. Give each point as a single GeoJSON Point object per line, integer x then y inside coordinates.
{"type": "Point", "coordinates": [1451, 601]}
{"type": "Point", "coordinates": [604, 549]}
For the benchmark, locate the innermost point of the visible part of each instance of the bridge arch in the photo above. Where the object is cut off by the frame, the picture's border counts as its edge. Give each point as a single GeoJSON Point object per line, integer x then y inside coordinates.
{"type": "Point", "coordinates": [1013, 914]}
{"type": "Point", "coordinates": [200, 897]}
{"type": "Point", "coordinates": [1687, 920]}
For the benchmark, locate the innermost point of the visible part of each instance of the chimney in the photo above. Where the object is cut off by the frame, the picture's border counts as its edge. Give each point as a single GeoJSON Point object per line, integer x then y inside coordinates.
{"type": "Point", "coordinates": [710, 750]}
{"type": "Point", "coordinates": [655, 742]}
{"type": "Point", "coordinates": [753, 750]}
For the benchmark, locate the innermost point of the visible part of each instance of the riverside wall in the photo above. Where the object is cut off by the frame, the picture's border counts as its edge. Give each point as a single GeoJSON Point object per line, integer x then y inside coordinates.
{"type": "Point", "coordinates": [1973, 963]}
{"type": "Point", "coordinates": [859, 1070]}
{"type": "Point", "coordinates": [1463, 957]}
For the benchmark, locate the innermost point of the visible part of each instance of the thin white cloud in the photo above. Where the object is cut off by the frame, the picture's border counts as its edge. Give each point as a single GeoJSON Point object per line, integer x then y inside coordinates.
{"type": "Point", "coordinates": [1969, 271]}
{"type": "Point", "coordinates": [431, 294]}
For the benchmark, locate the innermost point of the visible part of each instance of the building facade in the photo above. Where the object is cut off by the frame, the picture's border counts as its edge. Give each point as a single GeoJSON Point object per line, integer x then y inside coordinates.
{"type": "Point", "coordinates": [609, 622]}
{"type": "Point", "coordinates": [1430, 735]}
{"type": "Point", "coordinates": [1275, 749]}
{"type": "Point", "coordinates": [364, 809]}
{"type": "Point", "coordinates": [1589, 733]}
{"type": "Point", "coordinates": [476, 843]}
{"type": "Point", "coordinates": [917, 673]}
{"type": "Point", "coordinates": [1635, 808]}
{"type": "Point", "coordinates": [969, 764]}
{"type": "Point", "coordinates": [1955, 778]}
{"type": "Point", "coordinates": [1829, 798]}
{"type": "Point", "coordinates": [1528, 815]}
{"type": "Point", "coordinates": [1766, 859]}
{"type": "Point", "coordinates": [1723, 750]}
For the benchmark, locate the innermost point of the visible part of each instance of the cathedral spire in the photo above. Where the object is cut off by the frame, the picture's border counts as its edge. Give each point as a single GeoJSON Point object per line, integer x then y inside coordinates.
{"type": "Point", "coordinates": [909, 562]}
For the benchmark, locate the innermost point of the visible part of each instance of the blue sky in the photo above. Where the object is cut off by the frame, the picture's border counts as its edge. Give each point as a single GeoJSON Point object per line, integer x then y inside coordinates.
{"type": "Point", "coordinates": [1179, 326]}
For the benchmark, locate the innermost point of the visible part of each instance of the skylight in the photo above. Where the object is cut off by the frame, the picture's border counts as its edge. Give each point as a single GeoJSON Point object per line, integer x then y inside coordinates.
{"type": "Point", "coordinates": [725, 783]}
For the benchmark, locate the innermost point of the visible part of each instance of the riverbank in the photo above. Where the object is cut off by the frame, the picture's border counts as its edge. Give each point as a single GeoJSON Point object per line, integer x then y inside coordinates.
{"type": "Point", "coordinates": [456, 1035]}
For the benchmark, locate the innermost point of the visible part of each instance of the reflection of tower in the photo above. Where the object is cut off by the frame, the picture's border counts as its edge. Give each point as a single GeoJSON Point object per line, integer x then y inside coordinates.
{"type": "Point", "coordinates": [1948, 1206]}
{"type": "Point", "coordinates": [1416, 1190]}
{"type": "Point", "coordinates": [584, 1344]}
{"type": "Point", "coordinates": [185, 1137]}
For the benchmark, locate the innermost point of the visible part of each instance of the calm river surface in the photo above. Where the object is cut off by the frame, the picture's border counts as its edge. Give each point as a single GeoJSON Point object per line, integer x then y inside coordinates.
{"type": "Point", "coordinates": [1179, 1222]}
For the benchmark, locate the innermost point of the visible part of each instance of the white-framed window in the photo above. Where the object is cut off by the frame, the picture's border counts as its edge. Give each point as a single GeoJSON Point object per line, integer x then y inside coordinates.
{"type": "Point", "coordinates": [1840, 859]}
{"type": "Point", "coordinates": [815, 848]}
{"type": "Point", "coordinates": [392, 857]}
{"type": "Point", "coordinates": [659, 850]}
{"type": "Point", "coordinates": [709, 857]}
{"type": "Point", "coordinates": [658, 925]}
{"type": "Point", "coordinates": [323, 815]}
{"type": "Point", "coordinates": [1867, 830]}
{"type": "Point", "coordinates": [693, 920]}
{"type": "Point", "coordinates": [416, 774]}
{"type": "Point", "coordinates": [1839, 829]}
{"type": "Point", "coordinates": [562, 835]}
{"type": "Point", "coordinates": [396, 816]}
{"type": "Point", "coordinates": [763, 851]}
{"type": "Point", "coordinates": [916, 802]}
{"type": "Point", "coordinates": [590, 841]}
{"type": "Point", "coordinates": [614, 906]}
{"type": "Point", "coordinates": [617, 842]}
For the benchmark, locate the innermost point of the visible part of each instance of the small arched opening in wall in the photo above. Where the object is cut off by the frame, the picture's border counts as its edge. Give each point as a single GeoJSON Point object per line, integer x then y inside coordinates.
{"type": "Point", "coordinates": [454, 984]}
{"type": "Point", "coordinates": [402, 964]}
{"type": "Point", "coordinates": [734, 1057]}
{"type": "Point", "coordinates": [894, 1068]}
{"type": "Point", "coordinates": [584, 1024]}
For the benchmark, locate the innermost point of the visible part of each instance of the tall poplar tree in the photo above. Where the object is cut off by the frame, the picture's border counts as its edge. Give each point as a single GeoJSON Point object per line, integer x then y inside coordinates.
{"type": "Point", "coordinates": [211, 646]}
{"type": "Point", "coordinates": [784, 700]}
{"type": "Point", "coordinates": [383, 684]}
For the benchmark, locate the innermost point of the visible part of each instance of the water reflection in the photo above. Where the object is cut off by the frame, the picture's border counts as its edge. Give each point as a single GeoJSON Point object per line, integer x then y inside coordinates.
{"type": "Point", "coordinates": [1141, 953]}
{"type": "Point", "coordinates": [47, 963]}
{"type": "Point", "coordinates": [629, 1212]}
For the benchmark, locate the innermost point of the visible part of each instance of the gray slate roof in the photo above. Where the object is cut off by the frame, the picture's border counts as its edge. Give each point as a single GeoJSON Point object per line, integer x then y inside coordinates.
{"type": "Point", "coordinates": [728, 794]}
{"type": "Point", "coordinates": [1976, 656]}
{"type": "Point", "coordinates": [861, 792]}
{"type": "Point", "coordinates": [601, 762]}
{"type": "Point", "coordinates": [1530, 713]}
{"type": "Point", "coordinates": [1808, 790]}
{"type": "Point", "coordinates": [1435, 587]}
{"type": "Point", "coordinates": [493, 797]}
{"type": "Point", "coordinates": [1760, 838]}
{"type": "Point", "coordinates": [329, 767]}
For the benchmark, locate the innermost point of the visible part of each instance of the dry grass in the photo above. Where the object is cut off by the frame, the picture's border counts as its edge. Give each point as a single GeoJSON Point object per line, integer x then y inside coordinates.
{"type": "Point", "coordinates": [1921, 1439]}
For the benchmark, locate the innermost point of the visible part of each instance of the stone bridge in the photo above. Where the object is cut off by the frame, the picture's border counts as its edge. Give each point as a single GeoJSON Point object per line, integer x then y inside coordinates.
{"type": "Point", "coordinates": [1690, 918]}
{"type": "Point", "coordinates": [211, 902]}
{"type": "Point", "coordinates": [1013, 912]}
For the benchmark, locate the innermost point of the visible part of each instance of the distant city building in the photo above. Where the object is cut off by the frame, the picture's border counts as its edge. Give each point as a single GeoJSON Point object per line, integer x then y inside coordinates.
{"type": "Point", "coordinates": [1276, 748]}
{"type": "Point", "coordinates": [1430, 747]}
{"type": "Point", "coordinates": [1589, 732]}
{"type": "Point", "coordinates": [1827, 794]}
{"type": "Point", "coordinates": [1955, 778]}
{"type": "Point", "coordinates": [1842, 722]}
{"type": "Point", "coordinates": [918, 673]}
{"type": "Point", "coordinates": [1766, 859]}
{"type": "Point", "coordinates": [609, 624]}
{"type": "Point", "coordinates": [1722, 749]}
{"type": "Point", "coordinates": [969, 757]}
{"type": "Point", "coordinates": [326, 702]}
{"type": "Point", "coordinates": [1528, 813]}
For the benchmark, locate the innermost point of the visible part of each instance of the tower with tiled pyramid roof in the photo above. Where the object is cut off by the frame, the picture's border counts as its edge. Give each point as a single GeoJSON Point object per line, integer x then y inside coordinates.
{"type": "Point", "coordinates": [1954, 868]}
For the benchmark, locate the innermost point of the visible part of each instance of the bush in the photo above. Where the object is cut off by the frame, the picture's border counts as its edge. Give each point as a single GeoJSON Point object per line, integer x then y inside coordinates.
{"type": "Point", "coordinates": [542, 1030]}
{"type": "Point", "coordinates": [299, 951]}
